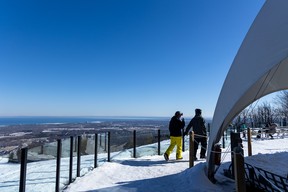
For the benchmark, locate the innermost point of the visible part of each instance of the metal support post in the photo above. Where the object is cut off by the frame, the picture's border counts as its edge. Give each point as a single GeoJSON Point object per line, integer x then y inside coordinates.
{"type": "Point", "coordinates": [109, 145]}
{"type": "Point", "coordinates": [71, 159]}
{"type": "Point", "coordinates": [58, 164]}
{"type": "Point", "coordinates": [134, 143]}
{"type": "Point", "coordinates": [159, 135]}
{"type": "Point", "coordinates": [23, 169]}
{"type": "Point", "coordinates": [78, 156]}
{"type": "Point", "coordinates": [96, 150]}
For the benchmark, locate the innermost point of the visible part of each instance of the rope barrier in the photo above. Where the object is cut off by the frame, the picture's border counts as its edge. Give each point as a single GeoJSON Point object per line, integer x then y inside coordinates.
{"type": "Point", "coordinates": [211, 150]}
{"type": "Point", "coordinates": [200, 135]}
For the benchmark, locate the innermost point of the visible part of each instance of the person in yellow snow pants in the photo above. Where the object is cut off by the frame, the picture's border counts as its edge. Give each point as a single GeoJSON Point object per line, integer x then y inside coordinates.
{"type": "Point", "coordinates": [178, 142]}
{"type": "Point", "coordinates": [176, 126]}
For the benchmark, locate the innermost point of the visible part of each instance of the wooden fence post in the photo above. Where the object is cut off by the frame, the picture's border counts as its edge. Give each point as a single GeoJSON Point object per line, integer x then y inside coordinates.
{"type": "Point", "coordinates": [235, 139]}
{"type": "Point", "coordinates": [191, 149]}
{"type": "Point", "coordinates": [249, 142]}
{"type": "Point", "coordinates": [239, 171]}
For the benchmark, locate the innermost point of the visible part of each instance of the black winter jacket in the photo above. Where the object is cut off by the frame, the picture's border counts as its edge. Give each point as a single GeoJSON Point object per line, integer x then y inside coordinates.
{"type": "Point", "coordinates": [198, 124]}
{"type": "Point", "coordinates": [176, 126]}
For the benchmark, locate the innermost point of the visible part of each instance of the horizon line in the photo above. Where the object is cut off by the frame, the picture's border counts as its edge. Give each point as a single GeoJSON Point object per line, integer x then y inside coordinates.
{"type": "Point", "coordinates": [91, 116]}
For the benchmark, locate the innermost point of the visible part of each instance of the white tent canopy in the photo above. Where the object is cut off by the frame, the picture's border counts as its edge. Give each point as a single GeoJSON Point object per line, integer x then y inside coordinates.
{"type": "Point", "coordinates": [259, 68]}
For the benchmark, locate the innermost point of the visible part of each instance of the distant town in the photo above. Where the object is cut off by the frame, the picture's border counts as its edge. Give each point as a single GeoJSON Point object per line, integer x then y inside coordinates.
{"type": "Point", "coordinates": [13, 137]}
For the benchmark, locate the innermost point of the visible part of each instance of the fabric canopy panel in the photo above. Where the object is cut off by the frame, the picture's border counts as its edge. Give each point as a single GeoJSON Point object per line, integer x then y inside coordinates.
{"type": "Point", "coordinates": [259, 68]}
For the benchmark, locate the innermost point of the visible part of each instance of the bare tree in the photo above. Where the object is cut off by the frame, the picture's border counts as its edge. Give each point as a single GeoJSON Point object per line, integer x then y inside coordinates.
{"type": "Point", "coordinates": [265, 113]}
{"type": "Point", "coordinates": [260, 115]}
{"type": "Point", "coordinates": [281, 101]}
{"type": "Point", "coordinates": [241, 120]}
{"type": "Point", "coordinates": [252, 117]}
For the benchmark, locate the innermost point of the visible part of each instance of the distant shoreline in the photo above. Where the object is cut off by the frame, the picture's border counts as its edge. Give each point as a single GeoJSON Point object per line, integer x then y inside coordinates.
{"type": "Point", "coordinates": [42, 120]}
{"type": "Point", "coordinates": [34, 120]}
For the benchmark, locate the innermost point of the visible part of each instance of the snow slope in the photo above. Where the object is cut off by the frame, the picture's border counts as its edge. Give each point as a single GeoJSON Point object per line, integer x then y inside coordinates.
{"type": "Point", "coordinates": [153, 173]}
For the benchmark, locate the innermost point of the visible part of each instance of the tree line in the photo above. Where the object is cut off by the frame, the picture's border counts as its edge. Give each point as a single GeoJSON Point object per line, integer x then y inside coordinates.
{"type": "Point", "coordinates": [257, 115]}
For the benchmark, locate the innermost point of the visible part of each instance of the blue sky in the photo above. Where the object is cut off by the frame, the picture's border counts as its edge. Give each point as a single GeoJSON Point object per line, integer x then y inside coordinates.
{"type": "Point", "coordinates": [118, 58]}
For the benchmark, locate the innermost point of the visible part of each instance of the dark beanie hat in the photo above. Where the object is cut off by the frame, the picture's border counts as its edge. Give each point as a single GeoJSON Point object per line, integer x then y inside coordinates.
{"type": "Point", "coordinates": [178, 113]}
{"type": "Point", "coordinates": [198, 111]}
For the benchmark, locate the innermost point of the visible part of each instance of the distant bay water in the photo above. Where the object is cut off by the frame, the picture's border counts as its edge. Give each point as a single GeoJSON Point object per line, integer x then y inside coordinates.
{"type": "Point", "coordinates": [25, 120]}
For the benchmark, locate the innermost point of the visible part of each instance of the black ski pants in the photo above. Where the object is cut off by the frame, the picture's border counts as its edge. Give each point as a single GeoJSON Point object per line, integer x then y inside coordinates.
{"type": "Point", "coordinates": [203, 142]}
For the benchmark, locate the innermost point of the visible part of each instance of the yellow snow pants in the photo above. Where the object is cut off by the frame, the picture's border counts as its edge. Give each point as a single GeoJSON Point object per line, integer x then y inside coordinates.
{"type": "Point", "coordinates": [175, 141]}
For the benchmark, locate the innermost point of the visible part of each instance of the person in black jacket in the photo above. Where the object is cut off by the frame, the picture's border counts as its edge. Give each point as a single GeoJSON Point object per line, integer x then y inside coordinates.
{"type": "Point", "coordinates": [176, 125]}
{"type": "Point", "coordinates": [198, 124]}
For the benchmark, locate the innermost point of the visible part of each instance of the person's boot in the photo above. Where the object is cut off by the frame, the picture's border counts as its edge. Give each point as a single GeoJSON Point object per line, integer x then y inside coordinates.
{"type": "Point", "coordinates": [202, 157]}
{"type": "Point", "coordinates": [166, 157]}
{"type": "Point", "coordinates": [178, 156]}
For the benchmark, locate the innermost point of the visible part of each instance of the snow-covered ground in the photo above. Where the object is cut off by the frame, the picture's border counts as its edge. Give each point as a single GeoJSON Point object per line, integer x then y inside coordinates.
{"type": "Point", "coordinates": [152, 173]}
{"type": "Point", "coordinates": [147, 173]}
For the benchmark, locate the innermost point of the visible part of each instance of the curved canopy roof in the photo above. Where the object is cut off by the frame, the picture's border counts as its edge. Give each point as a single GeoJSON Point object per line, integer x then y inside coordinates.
{"type": "Point", "coordinates": [259, 68]}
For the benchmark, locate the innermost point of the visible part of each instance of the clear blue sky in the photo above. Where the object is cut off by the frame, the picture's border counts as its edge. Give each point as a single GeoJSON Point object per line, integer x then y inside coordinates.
{"type": "Point", "coordinates": [118, 57]}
